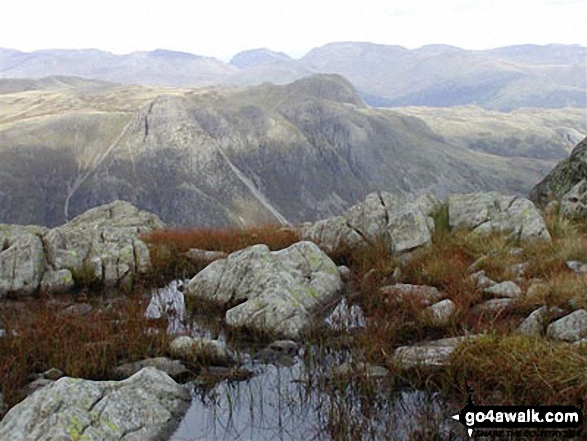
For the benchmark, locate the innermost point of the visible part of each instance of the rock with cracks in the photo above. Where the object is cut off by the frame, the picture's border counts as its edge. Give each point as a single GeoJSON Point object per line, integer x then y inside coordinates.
{"type": "Point", "coordinates": [489, 212]}
{"type": "Point", "coordinates": [146, 406]}
{"type": "Point", "coordinates": [401, 225]}
{"type": "Point", "coordinates": [276, 292]}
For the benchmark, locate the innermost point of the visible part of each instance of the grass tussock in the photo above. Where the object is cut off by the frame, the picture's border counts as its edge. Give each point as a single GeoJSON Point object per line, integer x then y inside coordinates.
{"type": "Point", "coordinates": [168, 247]}
{"type": "Point", "coordinates": [85, 346]}
{"type": "Point", "coordinates": [521, 370]}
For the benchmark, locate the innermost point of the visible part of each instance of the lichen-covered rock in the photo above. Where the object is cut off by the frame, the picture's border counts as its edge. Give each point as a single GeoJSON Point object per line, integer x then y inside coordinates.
{"type": "Point", "coordinates": [571, 328]}
{"type": "Point", "coordinates": [273, 292]}
{"type": "Point", "coordinates": [487, 212]}
{"type": "Point", "coordinates": [57, 282]}
{"type": "Point", "coordinates": [22, 260]}
{"type": "Point", "coordinates": [435, 353]}
{"type": "Point", "coordinates": [382, 217]}
{"type": "Point", "coordinates": [102, 244]}
{"type": "Point", "coordinates": [574, 203]}
{"type": "Point", "coordinates": [146, 406]}
{"type": "Point", "coordinates": [563, 177]}
{"type": "Point", "coordinates": [535, 323]}
{"type": "Point", "coordinates": [442, 312]}
{"type": "Point", "coordinates": [507, 289]}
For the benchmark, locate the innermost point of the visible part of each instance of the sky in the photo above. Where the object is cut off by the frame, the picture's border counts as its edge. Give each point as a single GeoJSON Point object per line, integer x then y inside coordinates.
{"type": "Point", "coordinates": [221, 28]}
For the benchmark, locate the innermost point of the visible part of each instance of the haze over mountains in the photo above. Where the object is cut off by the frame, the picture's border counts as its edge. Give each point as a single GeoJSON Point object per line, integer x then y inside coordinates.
{"type": "Point", "coordinates": [551, 76]}
{"type": "Point", "coordinates": [244, 155]}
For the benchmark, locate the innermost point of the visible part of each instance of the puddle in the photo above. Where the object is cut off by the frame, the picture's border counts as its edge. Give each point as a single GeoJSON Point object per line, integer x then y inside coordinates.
{"type": "Point", "coordinates": [299, 400]}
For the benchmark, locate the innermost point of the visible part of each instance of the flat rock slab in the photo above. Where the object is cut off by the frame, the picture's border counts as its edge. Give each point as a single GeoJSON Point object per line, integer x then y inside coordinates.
{"type": "Point", "coordinates": [277, 292]}
{"type": "Point", "coordinates": [146, 406]}
{"type": "Point", "coordinates": [429, 354]}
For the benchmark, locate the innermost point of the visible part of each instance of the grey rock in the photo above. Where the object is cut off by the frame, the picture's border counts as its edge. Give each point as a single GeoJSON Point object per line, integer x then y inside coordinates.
{"type": "Point", "coordinates": [482, 280]}
{"type": "Point", "coordinates": [518, 269]}
{"type": "Point", "coordinates": [428, 354]}
{"type": "Point", "coordinates": [507, 289]}
{"type": "Point", "coordinates": [400, 292]}
{"type": "Point", "coordinates": [285, 346]}
{"type": "Point", "coordinates": [201, 349]}
{"type": "Point", "coordinates": [570, 328]}
{"type": "Point", "coordinates": [442, 312]}
{"type": "Point", "coordinates": [493, 306]}
{"type": "Point", "coordinates": [345, 317]}
{"type": "Point", "coordinates": [576, 266]}
{"type": "Point", "coordinates": [276, 292]}
{"type": "Point", "coordinates": [52, 374]}
{"type": "Point", "coordinates": [174, 368]}
{"type": "Point", "coordinates": [57, 282]}
{"type": "Point", "coordinates": [146, 406]}
{"type": "Point", "coordinates": [535, 324]}
{"type": "Point", "coordinates": [345, 273]}
{"type": "Point", "coordinates": [574, 203]}
{"type": "Point", "coordinates": [487, 212]}
{"type": "Point", "coordinates": [381, 217]}
{"type": "Point", "coordinates": [22, 260]}
{"type": "Point", "coordinates": [103, 242]}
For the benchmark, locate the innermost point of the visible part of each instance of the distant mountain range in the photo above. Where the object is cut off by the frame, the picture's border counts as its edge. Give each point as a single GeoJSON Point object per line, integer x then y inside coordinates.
{"type": "Point", "coordinates": [551, 76]}
{"type": "Point", "coordinates": [246, 155]}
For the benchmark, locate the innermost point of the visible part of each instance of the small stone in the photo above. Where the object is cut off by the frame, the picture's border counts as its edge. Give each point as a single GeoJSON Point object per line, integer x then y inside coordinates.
{"type": "Point", "coordinates": [482, 280]}
{"type": "Point", "coordinates": [507, 289]}
{"type": "Point", "coordinates": [576, 266]}
{"type": "Point", "coordinates": [442, 311]}
{"type": "Point", "coordinates": [52, 374]}
{"type": "Point", "coordinates": [368, 370]}
{"type": "Point", "coordinates": [571, 328]}
{"type": "Point", "coordinates": [345, 273]}
{"type": "Point", "coordinates": [519, 269]}
{"type": "Point", "coordinates": [397, 274]}
{"type": "Point", "coordinates": [493, 306]}
{"type": "Point", "coordinates": [174, 368]}
{"type": "Point", "coordinates": [401, 292]}
{"type": "Point", "coordinates": [284, 346]}
{"type": "Point", "coordinates": [516, 252]}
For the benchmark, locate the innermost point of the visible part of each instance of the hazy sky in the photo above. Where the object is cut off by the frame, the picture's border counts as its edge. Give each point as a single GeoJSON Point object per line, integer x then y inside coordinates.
{"type": "Point", "coordinates": [221, 28]}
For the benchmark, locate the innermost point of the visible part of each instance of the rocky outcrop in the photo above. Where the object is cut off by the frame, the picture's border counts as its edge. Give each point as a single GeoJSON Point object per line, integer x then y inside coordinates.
{"type": "Point", "coordinates": [99, 247]}
{"type": "Point", "coordinates": [563, 177]}
{"type": "Point", "coordinates": [574, 203]}
{"type": "Point", "coordinates": [273, 292]}
{"type": "Point", "coordinates": [401, 225]}
{"type": "Point", "coordinates": [487, 212]}
{"type": "Point", "coordinates": [22, 259]}
{"type": "Point", "coordinates": [146, 406]}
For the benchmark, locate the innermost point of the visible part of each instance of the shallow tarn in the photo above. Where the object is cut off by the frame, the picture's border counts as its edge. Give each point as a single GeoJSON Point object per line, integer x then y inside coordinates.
{"type": "Point", "coordinates": [301, 397]}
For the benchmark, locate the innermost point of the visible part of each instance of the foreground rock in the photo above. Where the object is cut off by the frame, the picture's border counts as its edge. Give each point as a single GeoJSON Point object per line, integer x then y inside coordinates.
{"type": "Point", "coordinates": [147, 406]}
{"type": "Point", "coordinates": [276, 292]}
{"type": "Point", "coordinates": [488, 212]}
{"type": "Point", "coordinates": [401, 225]}
{"type": "Point", "coordinates": [99, 247]}
{"type": "Point", "coordinates": [570, 328]}
{"type": "Point", "coordinates": [563, 177]}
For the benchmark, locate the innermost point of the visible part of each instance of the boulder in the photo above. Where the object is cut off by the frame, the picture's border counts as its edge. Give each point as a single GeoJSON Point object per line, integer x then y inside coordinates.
{"type": "Point", "coordinates": [401, 225]}
{"type": "Point", "coordinates": [22, 260]}
{"type": "Point", "coordinates": [568, 173]}
{"type": "Point", "coordinates": [574, 203]}
{"type": "Point", "coordinates": [146, 406]}
{"type": "Point", "coordinates": [571, 328]}
{"type": "Point", "coordinates": [488, 212]}
{"type": "Point", "coordinates": [276, 292]}
{"type": "Point", "coordinates": [493, 306]}
{"type": "Point", "coordinates": [535, 323]}
{"type": "Point", "coordinates": [102, 244]}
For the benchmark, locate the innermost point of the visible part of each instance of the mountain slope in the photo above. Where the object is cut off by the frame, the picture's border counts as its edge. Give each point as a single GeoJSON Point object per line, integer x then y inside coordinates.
{"type": "Point", "coordinates": [233, 156]}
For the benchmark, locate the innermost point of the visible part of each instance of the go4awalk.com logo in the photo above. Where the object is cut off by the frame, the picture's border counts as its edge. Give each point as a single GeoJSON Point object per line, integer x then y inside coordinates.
{"type": "Point", "coordinates": [508, 418]}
